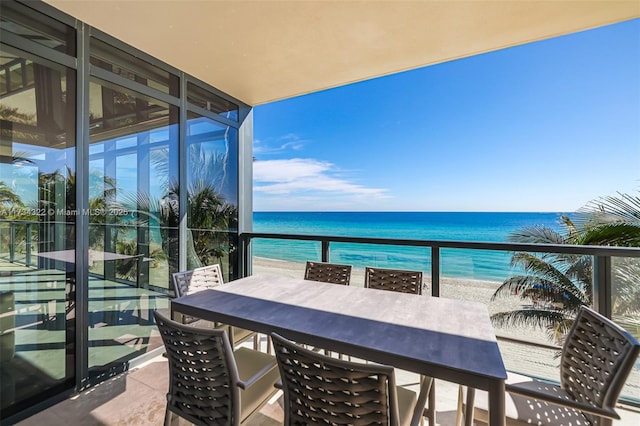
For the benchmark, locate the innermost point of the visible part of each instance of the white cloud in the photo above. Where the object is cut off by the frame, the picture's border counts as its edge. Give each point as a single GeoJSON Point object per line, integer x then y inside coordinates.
{"type": "Point", "coordinates": [307, 178]}
{"type": "Point", "coordinates": [286, 142]}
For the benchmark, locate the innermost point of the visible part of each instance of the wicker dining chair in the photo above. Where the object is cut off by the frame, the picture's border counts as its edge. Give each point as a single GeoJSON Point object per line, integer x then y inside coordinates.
{"type": "Point", "coordinates": [328, 272]}
{"type": "Point", "coordinates": [596, 360]}
{"type": "Point", "coordinates": [332, 273]}
{"type": "Point", "coordinates": [401, 280]}
{"type": "Point", "coordinates": [319, 389]}
{"type": "Point", "coordinates": [198, 279]}
{"type": "Point", "coordinates": [209, 382]}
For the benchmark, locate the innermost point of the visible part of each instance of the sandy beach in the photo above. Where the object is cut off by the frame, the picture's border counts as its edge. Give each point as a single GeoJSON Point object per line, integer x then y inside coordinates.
{"type": "Point", "coordinates": [525, 359]}
{"type": "Point", "coordinates": [455, 288]}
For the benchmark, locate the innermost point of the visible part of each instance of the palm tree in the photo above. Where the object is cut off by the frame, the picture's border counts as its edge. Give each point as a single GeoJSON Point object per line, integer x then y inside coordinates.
{"type": "Point", "coordinates": [610, 221]}
{"type": "Point", "coordinates": [554, 286]}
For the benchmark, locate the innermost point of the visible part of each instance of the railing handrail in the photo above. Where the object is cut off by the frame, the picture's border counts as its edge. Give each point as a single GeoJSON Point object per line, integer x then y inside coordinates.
{"type": "Point", "coordinates": [476, 245]}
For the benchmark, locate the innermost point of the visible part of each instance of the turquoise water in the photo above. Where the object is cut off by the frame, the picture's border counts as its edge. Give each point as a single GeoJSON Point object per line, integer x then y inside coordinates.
{"type": "Point", "coordinates": [457, 226]}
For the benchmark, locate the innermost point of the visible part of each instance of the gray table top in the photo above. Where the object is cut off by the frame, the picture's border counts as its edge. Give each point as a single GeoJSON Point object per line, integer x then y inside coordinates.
{"type": "Point", "coordinates": [444, 338]}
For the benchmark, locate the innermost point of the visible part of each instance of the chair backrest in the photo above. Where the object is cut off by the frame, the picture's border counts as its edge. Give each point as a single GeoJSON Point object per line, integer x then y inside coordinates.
{"type": "Point", "coordinates": [319, 389]}
{"type": "Point", "coordinates": [597, 357]}
{"type": "Point", "coordinates": [328, 272]}
{"type": "Point", "coordinates": [198, 279]}
{"type": "Point", "coordinates": [203, 376]}
{"type": "Point", "coordinates": [400, 280]}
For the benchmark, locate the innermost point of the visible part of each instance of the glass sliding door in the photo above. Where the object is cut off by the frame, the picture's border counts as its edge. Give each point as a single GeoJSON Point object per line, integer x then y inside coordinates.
{"type": "Point", "coordinates": [37, 229]}
{"type": "Point", "coordinates": [212, 194]}
{"type": "Point", "coordinates": [100, 180]}
{"type": "Point", "coordinates": [133, 221]}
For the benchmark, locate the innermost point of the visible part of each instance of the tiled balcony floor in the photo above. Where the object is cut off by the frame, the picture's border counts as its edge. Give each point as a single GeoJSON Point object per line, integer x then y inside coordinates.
{"type": "Point", "coordinates": [137, 398]}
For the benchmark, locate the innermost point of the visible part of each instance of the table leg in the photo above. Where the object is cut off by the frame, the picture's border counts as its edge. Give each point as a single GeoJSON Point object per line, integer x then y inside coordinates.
{"type": "Point", "coordinates": [497, 404]}
{"type": "Point", "coordinates": [468, 414]}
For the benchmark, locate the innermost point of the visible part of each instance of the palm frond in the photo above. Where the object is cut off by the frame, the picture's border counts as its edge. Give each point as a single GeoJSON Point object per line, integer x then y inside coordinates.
{"type": "Point", "coordinates": [536, 235]}
{"type": "Point", "coordinates": [515, 286]}
{"type": "Point", "coordinates": [528, 317]}
{"type": "Point", "coordinates": [611, 234]}
{"type": "Point", "coordinates": [623, 207]}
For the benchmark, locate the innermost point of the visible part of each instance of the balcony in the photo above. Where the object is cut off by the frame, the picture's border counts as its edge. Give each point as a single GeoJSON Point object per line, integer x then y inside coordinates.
{"type": "Point", "coordinates": [146, 379]}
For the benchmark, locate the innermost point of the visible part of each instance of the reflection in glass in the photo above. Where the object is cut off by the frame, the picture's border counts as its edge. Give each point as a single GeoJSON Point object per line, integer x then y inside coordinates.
{"type": "Point", "coordinates": [133, 221]}
{"type": "Point", "coordinates": [128, 66]}
{"type": "Point", "coordinates": [37, 27]}
{"type": "Point", "coordinates": [37, 230]}
{"type": "Point", "coordinates": [212, 182]}
{"type": "Point", "coordinates": [205, 99]}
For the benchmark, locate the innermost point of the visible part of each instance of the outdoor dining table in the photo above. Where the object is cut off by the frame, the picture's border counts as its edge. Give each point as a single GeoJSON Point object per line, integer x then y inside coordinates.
{"type": "Point", "coordinates": [447, 339]}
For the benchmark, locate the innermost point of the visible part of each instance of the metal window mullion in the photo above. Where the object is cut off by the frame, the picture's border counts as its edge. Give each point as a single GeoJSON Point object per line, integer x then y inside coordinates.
{"type": "Point", "coordinates": [182, 174]}
{"type": "Point", "coordinates": [245, 188]}
{"type": "Point", "coordinates": [27, 260]}
{"type": "Point", "coordinates": [82, 204]}
{"type": "Point", "coordinates": [12, 243]}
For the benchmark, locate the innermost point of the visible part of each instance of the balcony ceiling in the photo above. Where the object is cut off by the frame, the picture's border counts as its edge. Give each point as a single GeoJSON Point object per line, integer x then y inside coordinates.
{"type": "Point", "coordinates": [263, 51]}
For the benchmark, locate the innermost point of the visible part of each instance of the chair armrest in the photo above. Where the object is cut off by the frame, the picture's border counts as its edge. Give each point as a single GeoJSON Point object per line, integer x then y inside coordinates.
{"type": "Point", "coordinates": [559, 399]}
{"type": "Point", "coordinates": [244, 384]}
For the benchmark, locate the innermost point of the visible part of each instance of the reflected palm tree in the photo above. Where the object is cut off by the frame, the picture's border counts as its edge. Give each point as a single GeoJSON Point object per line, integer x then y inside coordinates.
{"type": "Point", "coordinates": [8, 198]}
{"type": "Point", "coordinates": [209, 214]}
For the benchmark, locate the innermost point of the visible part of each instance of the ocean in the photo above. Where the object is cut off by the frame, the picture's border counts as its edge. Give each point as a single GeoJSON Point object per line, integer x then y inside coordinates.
{"type": "Point", "coordinates": [458, 226]}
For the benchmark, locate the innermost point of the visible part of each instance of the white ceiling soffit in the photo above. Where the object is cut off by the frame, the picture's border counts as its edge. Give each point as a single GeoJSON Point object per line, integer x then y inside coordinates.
{"type": "Point", "coordinates": [263, 51]}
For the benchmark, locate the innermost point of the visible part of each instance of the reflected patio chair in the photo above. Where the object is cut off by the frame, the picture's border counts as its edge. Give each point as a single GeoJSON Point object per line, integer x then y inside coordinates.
{"type": "Point", "coordinates": [319, 389]}
{"type": "Point", "coordinates": [328, 272]}
{"type": "Point", "coordinates": [401, 280]}
{"type": "Point", "coordinates": [597, 358]}
{"type": "Point", "coordinates": [209, 382]}
{"type": "Point", "coordinates": [198, 279]}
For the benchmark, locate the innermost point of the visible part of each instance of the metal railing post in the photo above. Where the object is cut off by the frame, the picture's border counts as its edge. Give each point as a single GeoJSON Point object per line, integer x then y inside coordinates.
{"type": "Point", "coordinates": [245, 255]}
{"type": "Point", "coordinates": [602, 285]}
{"type": "Point", "coordinates": [435, 271]}
{"type": "Point", "coordinates": [325, 250]}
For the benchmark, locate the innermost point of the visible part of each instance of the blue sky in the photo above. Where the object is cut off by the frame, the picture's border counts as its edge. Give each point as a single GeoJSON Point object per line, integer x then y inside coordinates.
{"type": "Point", "coordinates": [546, 126]}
